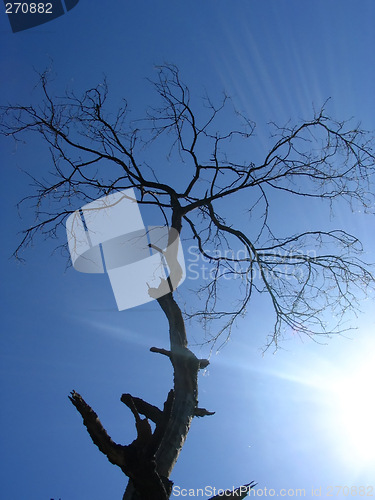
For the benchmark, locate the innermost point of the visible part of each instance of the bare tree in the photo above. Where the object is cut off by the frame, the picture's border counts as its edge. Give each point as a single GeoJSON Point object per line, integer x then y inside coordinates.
{"type": "Point", "coordinates": [95, 153]}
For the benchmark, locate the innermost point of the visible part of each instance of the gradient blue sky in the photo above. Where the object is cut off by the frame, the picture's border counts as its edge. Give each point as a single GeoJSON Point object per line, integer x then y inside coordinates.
{"type": "Point", "coordinates": [298, 419]}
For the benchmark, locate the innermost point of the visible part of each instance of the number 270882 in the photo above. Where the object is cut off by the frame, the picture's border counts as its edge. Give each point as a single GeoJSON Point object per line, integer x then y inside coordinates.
{"type": "Point", "coordinates": [25, 8]}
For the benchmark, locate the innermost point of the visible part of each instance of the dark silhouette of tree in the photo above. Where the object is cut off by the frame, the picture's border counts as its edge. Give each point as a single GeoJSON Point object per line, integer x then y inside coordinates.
{"type": "Point", "coordinates": [95, 153]}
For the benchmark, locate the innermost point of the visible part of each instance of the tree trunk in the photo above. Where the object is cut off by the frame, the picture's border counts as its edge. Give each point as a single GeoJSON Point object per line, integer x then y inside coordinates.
{"type": "Point", "coordinates": [185, 366]}
{"type": "Point", "coordinates": [148, 461]}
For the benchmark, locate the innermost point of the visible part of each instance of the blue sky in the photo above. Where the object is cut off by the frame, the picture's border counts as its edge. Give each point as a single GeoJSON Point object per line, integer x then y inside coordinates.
{"type": "Point", "coordinates": [296, 419]}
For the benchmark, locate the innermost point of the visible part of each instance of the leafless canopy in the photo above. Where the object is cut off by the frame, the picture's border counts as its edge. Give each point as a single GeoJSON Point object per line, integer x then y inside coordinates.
{"type": "Point", "coordinates": [95, 153]}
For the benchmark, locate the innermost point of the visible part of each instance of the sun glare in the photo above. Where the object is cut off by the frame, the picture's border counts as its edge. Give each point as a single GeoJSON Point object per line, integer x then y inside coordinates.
{"type": "Point", "coordinates": [356, 411]}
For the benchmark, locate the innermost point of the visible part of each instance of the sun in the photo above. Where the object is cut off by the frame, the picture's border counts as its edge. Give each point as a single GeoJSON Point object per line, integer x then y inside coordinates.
{"type": "Point", "coordinates": [355, 398]}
